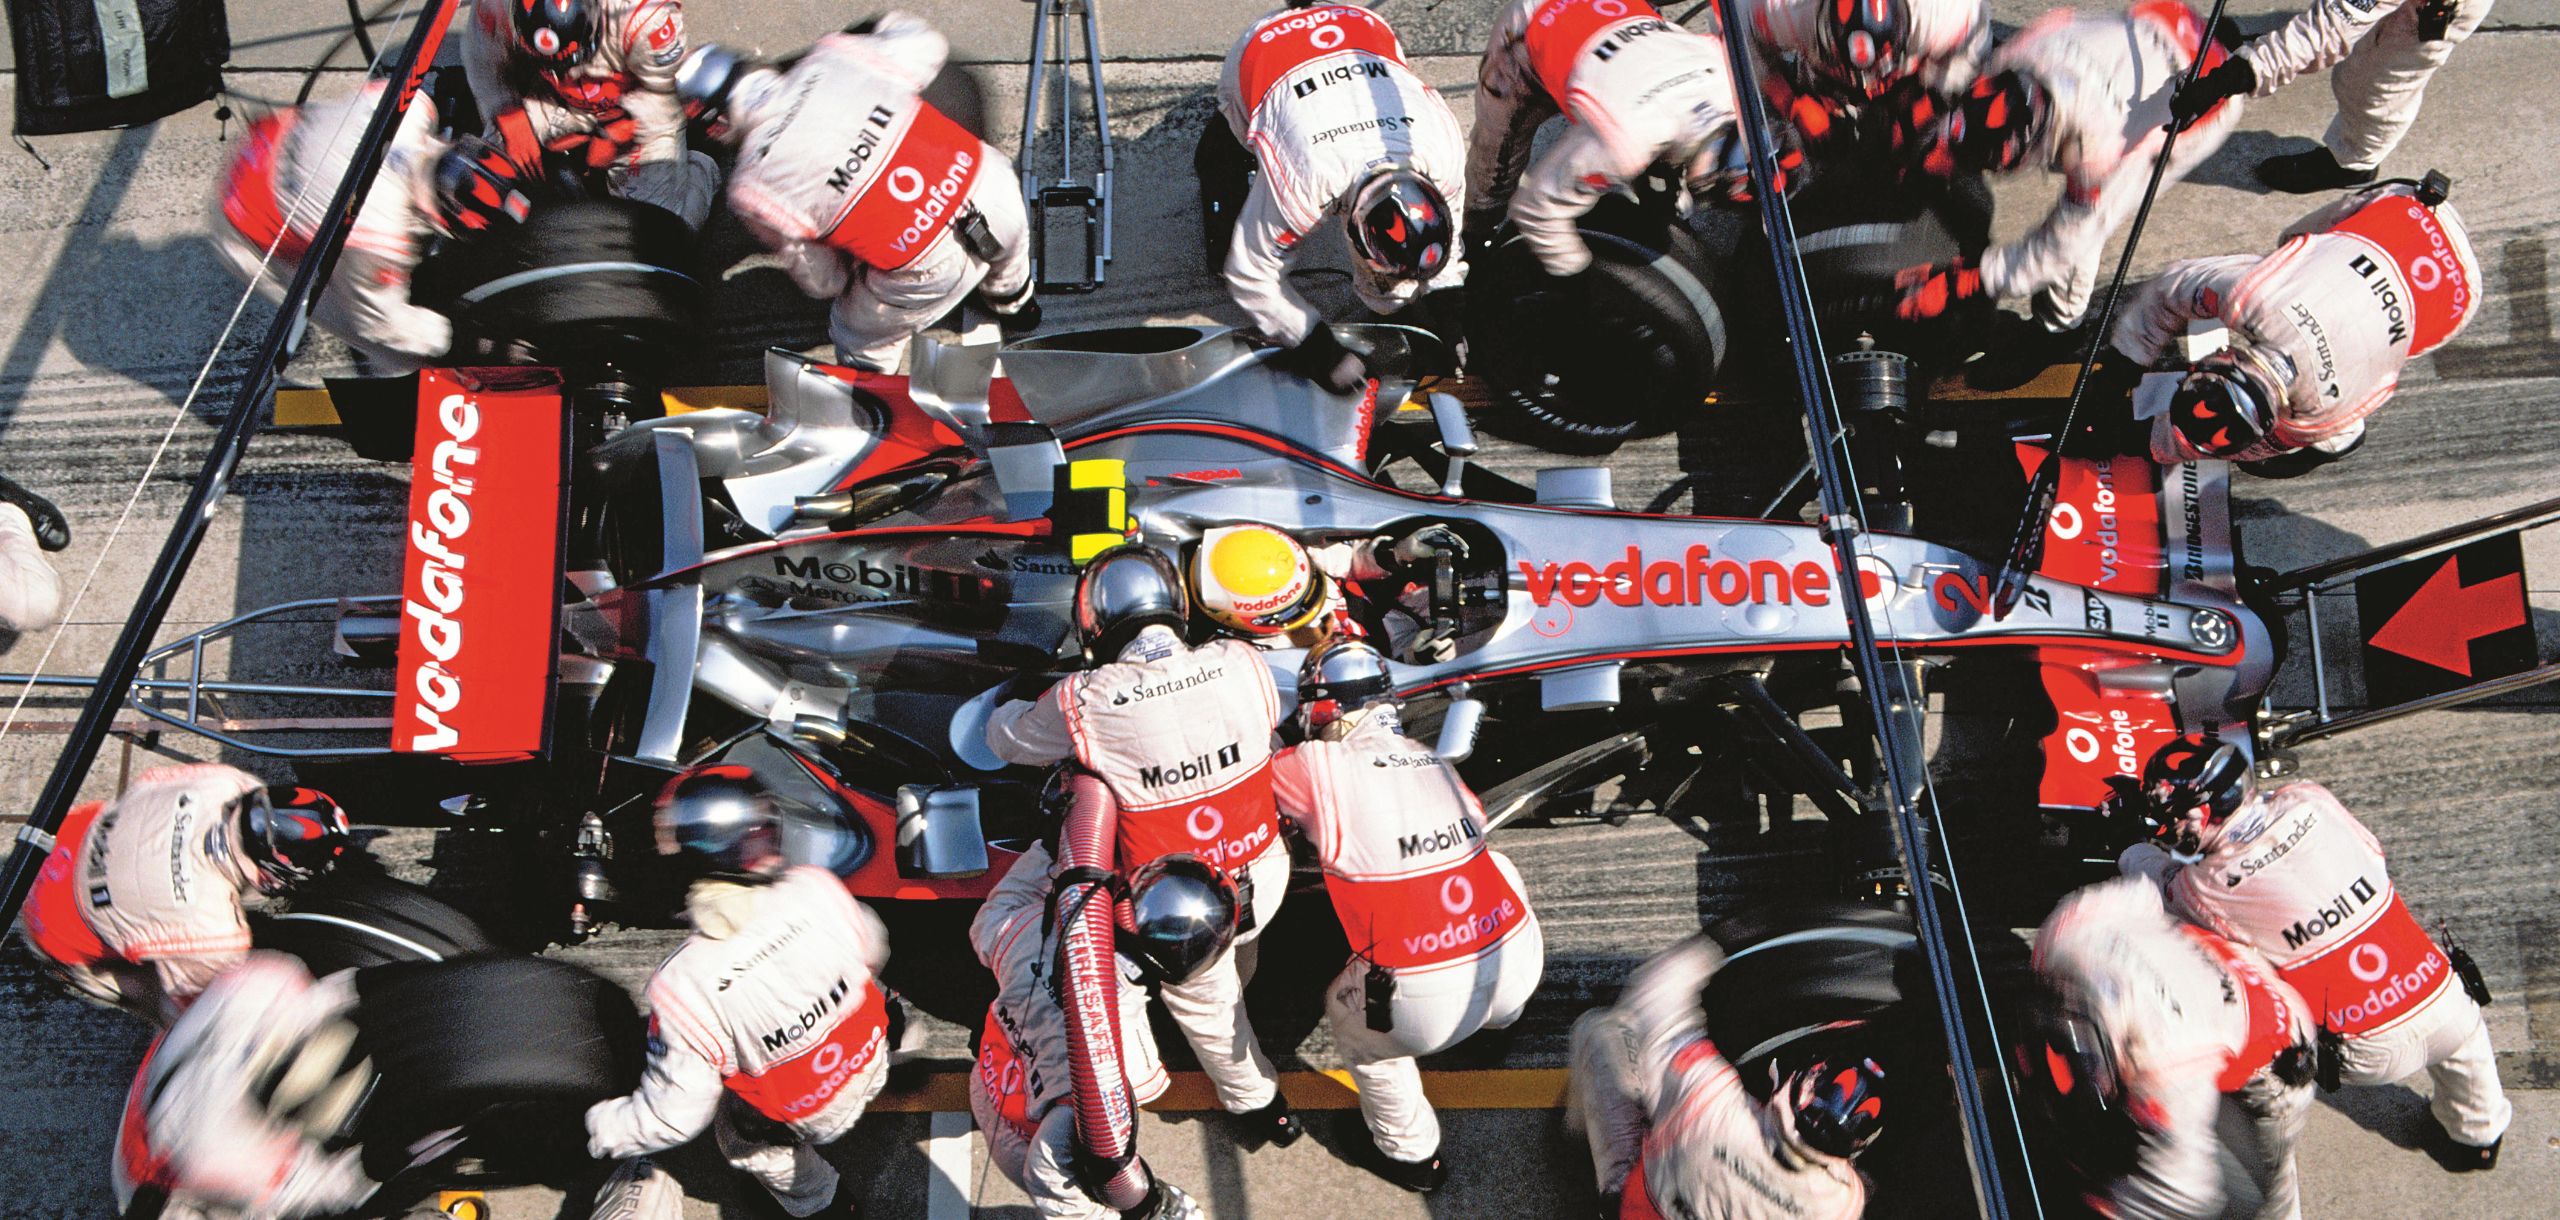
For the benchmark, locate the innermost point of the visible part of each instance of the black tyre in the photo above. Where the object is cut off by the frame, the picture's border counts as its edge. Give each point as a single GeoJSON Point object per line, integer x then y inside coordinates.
{"type": "Point", "coordinates": [1856, 231]}
{"type": "Point", "coordinates": [1805, 981]}
{"type": "Point", "coordinates": [1626, 349]}
{"type": "Point", "coordinates": [357, 918]}
{"type": "Point", "coordinates": [592, 282]}
{"type": "Point", "coordinates": [512, 1050]}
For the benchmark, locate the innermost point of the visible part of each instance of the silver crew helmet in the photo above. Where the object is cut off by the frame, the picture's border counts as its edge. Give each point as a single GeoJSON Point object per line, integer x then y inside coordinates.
{"type": "Point", "coordinates": [1124, 591]}
{"type": "Point", "coordinates": [1182, 915]}
{"type": "Point", "coordinates": [1342, 683]}
{"type": "Point", "coordinates": [722, 821]}
{"type": "Point", "coordinates": [706, 80]}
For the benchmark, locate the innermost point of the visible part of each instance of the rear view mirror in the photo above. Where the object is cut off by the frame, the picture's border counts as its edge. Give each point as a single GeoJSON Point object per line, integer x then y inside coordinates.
{"type": "Point", "coordinates": [939, 834]}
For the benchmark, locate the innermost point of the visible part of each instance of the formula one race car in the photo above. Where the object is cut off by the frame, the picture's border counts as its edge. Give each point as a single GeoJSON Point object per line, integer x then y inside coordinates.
{"type": "Point", "coordinates": [836, 591]}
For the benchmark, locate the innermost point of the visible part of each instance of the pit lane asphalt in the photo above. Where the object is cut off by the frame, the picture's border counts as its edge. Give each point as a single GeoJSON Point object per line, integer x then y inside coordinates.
{"type": "Point", "coordinates": [118, 294]}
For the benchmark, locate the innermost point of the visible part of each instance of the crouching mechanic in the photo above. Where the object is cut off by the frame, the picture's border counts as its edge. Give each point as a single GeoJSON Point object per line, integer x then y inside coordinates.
{"type": "Point", "coordinates": [276, 191]}
{"type": "Point", "coordinates": [1182, 737]}
{"type": "Point", "coordinates": [2319, 330]}
{"type": "Point", "coordinates": [767, 1024]}
{"type": "Point", "coordinates": [2087, 96]}
{"type": "Point", "coordinates": [870, 195]}
{"type": "Point", "coordinates": [1640, 92]}
{"type": "Point", "coordinates": [2292, 873]}
{"type": "Point", "coordinates": [1023, 1091]}
{"type": "Point", "coordinates": [139, 903]}
{"type": "Point", "coordinates": [2145, 1025]}
{"type": "Point", "coordinates": [1848, 53]}
{"type": "Point", "coordinates": [30, 590]}
{"type": "Point", "coordinates": [1277, 592]}
{"type": "Point", "coordinates": [1443, 941]}
{"type": "Point", "coordinates": [1673, 1131]}
{"type": "Point", "coordinates": [1339, 126]}
{"type": "Point", "coordinates": [592, 82]}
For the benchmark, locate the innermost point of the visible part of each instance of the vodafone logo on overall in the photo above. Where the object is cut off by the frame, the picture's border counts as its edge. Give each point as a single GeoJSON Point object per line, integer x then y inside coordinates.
{"type": "Point", "coordinates": [480, 596]}
{"type": "Point", "coordinates": [1205, 823]}
{"type": "Point", "coordinates": [1457, 894]}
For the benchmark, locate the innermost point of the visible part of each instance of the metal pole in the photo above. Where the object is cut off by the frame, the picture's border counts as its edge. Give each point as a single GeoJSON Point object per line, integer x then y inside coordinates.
{"type": "Point", "coordinates": [186, 533]}
{"type": "Point", "coordinates": [1841, 527]}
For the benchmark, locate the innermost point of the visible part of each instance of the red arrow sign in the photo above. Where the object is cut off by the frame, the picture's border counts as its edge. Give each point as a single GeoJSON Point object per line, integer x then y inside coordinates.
{"type": "Point", "coordinates": [2438, 622]}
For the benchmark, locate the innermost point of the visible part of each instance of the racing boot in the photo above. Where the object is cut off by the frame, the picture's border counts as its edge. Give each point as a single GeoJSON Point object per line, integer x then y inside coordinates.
{"type": "Point", "coordinates": [2459, 1157]}
{"type": "Point", "coordinates": [53, 532]}
{"type": "Point", "coordinates": [2310, 173]}
{"type": "Point", "coordinates": [1421, 1177]}
{"type": "Point", "coordinates": [1274, 1125]}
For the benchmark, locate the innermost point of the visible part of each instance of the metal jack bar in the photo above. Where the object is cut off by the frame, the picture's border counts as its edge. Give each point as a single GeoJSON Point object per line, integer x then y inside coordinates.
{"type": "Point", "coordinates": [1841, 527]}
{"type": "Point", "coordinates": [239, 424]}
{"type": "Point", "coordinates": [1086, 199]}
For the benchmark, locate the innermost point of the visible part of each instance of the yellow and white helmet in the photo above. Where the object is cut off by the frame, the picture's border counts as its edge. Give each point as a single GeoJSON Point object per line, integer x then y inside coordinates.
{"type": "Point", "coordinates": [1257, 580]}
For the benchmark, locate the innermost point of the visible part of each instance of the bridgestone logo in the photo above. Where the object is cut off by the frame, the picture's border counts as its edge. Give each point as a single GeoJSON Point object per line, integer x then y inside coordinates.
{"type": "Point", "coordinates": [1189, 769]}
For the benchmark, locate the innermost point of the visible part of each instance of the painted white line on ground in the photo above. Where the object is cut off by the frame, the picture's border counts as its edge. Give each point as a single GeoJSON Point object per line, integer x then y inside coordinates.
{"type": "Point", "coordinates": [946, 1153]}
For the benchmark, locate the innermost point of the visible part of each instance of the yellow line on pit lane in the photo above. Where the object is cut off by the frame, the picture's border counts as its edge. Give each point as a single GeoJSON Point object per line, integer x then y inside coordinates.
{"type": "Point", "coordinates": [1490, 1089]}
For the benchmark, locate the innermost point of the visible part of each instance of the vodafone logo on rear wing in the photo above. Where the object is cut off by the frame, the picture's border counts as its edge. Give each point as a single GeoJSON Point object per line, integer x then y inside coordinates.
{"type": "Point", "coordinates": [480, 605]}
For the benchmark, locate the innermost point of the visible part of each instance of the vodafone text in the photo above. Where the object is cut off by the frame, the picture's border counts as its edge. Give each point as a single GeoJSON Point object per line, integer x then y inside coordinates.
{"type": "Point", "coordinates": [2393, 989]}
{"type": "Point", "coordinates": [448, 518]}
{"type": "Point", "coordinates": [1692, 580]}
{"type": "Point", "coordinates": [1464, 931]}
{"type": "Point", "coordinates": [907, 186]}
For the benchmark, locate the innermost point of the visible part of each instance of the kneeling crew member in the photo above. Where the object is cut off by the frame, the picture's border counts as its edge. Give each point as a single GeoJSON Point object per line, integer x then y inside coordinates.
{"type": "Point", "coordinates": [2319, 330]}
{"type": "Point", "coordinates": [870, 195]}
{"type": "Point", "coordinates": [2291, 873]}
{"type": "Point", "coordinates": [774, 947]}
{"type": "Point", "coordinates": [1339, 126]}
{"type": "Point", "coordinates": [1673, 1131]}
{"type": "Point", "coordinates": [139, 903]}
{"type": "Point", "coordinates": [1640, 91]}
{"type": "Point", "coordinates": [2147, 1024]}
{"type": "Point", "coordinates": [1443, 941]}
{"type": "Point", "coordinates": [1023, 1092]}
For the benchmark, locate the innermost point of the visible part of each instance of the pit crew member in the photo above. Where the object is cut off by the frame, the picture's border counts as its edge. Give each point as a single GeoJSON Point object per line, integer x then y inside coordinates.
{"type": "Point", "coordinates": [1841, 54]}
{"type": "Point", "coordinates": [2085, 94]}
{"type": "Point", "coordinates": [767, 1024]}
{"type": "Point", "coordinates": [2383, 53]}
{"type": "Point", "coordinates": [1339, 126]}
{"type": "Point", "coordinates": [1674, 1133]}
{"type": "Point", "coordinates": [138, 905]}
{"type": "Point", "coordinates": [1268, 587]}
{"type": "Point", "coordinates": [30, 591]}
{"type": "Point", "coordinates": [1640, 92]}
{"type": "Point", "coordinates": [1443, 941]}
{"type": "Point", "coordinates": [592, 82]}
{"type": "Point", "coordinates": [916, 217]}
{"type": "Point", "coordinates": [1022, 1093]}
{"type": "Point", "coordinates": [236, 1110]}
{"type": "Point", "coordinates": [2319, 330]}
{"type": "Point", "coordinates": [1182, 736]}
{"type": "Point", "coordinates": [2146, 1025]}
{"type": "Point", "coordinates": [2290, 872]}
{"type": "Point", "coordinates": [276, 191]}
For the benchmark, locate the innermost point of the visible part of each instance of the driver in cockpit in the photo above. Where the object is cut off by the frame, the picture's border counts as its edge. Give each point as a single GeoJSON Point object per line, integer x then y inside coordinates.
{"type": "Point", "coordinates": [1278, 592]}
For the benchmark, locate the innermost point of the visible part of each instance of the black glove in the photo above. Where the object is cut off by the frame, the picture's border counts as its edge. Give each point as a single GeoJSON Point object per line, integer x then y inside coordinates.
{"type": "Point", "coordinates": [2234, 78]}
{"type": "Point", "coordinates": [1422, 544]}
{"type": "Point", "coordinates": [1321, 358]}
{"type": "Point", "coordinates": [52, 531]}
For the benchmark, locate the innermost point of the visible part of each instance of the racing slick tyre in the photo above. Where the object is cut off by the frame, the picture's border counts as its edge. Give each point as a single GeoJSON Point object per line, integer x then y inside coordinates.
{"type": "Point", "coordinates": [583, 284]}
{"type": "Point", "coordinates": [359, 917]}
{"type": "Point", "coordinates": [510, 1050]}
{"type": "Point", "coordinates": [1799, 981]}
{"type": "Point", "coordinates": [1625, 349]}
